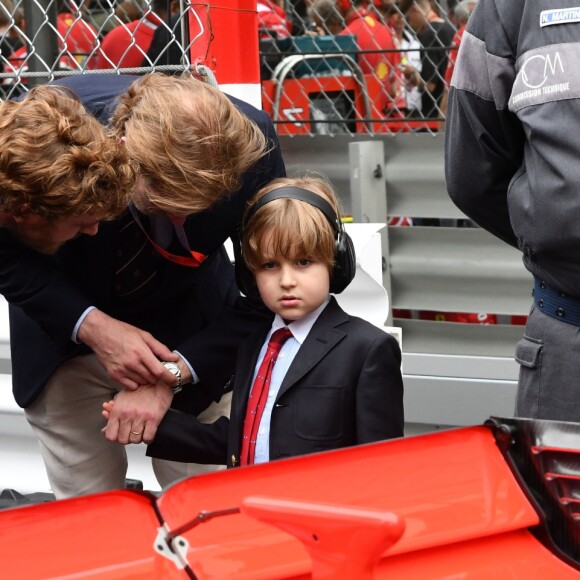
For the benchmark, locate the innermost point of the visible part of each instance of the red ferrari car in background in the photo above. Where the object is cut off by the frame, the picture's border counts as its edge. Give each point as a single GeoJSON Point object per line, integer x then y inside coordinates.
{"type": "Point", "coordinates": [495, 501]}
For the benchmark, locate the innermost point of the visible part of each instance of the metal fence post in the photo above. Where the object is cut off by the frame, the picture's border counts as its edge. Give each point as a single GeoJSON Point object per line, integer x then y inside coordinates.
{"type": "Point", "coordinates": [368, 189]}
{"type": "Point", "coordinates": [43, 48]}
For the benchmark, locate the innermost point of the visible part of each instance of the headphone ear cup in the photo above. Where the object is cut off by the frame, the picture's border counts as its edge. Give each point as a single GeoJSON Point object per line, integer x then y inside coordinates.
{"type": "Point", "coordinates": [344, 256]}
{"type": "Point", "coordinates": [344, 263]}
{"type": "Point", "coordinates": [244, 278]}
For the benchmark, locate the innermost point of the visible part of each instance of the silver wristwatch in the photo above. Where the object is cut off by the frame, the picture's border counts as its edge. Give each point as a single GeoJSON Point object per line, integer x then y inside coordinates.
{"type": "Point", "coordinates": [174, 369]}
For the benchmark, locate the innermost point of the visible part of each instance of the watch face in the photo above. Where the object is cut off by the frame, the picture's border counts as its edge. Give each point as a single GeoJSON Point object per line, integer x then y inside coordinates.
{"type": "Point", "coordinates": [176, 372]}
{"type": "Point", "coordinates": [172, 368]}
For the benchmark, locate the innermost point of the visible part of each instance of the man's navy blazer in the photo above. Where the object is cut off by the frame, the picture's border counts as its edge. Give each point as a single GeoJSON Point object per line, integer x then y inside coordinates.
{"type": "Point", "coordinates": [343, 388]}
{"type": "Point", "coordinates": [196, 311]}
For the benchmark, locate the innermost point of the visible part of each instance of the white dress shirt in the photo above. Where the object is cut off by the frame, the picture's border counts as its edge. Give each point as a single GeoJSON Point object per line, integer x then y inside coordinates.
{"type": "Point", "coordinates": [300, 329]}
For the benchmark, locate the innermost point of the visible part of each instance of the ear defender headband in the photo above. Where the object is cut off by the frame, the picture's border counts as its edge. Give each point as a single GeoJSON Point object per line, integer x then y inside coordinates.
{"type": "Point", "coordinates": [344, 267]}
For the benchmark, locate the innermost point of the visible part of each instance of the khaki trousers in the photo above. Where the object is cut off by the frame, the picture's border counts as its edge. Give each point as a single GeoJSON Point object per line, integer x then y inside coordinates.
{"type": "Point", "coordinates": [66, 418]}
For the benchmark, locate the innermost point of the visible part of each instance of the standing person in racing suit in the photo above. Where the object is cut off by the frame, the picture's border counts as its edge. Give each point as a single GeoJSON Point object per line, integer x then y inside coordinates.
{"type": "Point", "coordinates": [512, 165]}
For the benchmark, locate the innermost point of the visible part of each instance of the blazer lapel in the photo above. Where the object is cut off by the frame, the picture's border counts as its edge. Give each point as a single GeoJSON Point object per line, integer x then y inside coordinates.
{"type": "Point", "coordinates": [322, 338]}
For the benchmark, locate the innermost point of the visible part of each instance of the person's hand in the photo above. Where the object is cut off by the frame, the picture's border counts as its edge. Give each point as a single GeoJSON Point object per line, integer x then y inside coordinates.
{"type": "Point", "coordinates": [411, 74]}
{"type": "Point", "coordinates": [133, 416]}
{"type": "Point", "coordinates": [107, 407]}
{"type": "Point", "coordinates": [314, 31]}
{"type": "Point", "coordinates": [129, 355]}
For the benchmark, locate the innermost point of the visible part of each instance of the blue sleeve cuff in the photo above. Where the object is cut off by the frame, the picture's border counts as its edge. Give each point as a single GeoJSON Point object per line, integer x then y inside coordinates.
{"type": "Point", "coordinates": [194, 377]}
{"type": "Point", "coordinates": [78, 324]}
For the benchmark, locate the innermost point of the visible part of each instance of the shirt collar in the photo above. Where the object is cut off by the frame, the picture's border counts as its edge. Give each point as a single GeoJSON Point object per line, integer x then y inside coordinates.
{"type": "Point", "coordinates": [299, 328]}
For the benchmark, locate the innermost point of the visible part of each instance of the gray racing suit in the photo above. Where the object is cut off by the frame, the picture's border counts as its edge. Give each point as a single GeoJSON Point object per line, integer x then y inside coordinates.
{"type": "Point", "coordinates": [512, 164]}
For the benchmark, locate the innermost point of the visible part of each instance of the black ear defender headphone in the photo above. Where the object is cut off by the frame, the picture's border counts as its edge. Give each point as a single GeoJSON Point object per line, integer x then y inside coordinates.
{"type": "Point", "coordinates": [344, 267]}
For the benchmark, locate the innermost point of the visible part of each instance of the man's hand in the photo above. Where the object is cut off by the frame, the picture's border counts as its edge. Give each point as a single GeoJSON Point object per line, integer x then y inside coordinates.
{"type": "Point", "coordinates": [129, 355]}
{"type": "Point", "coordinates": [133, 416]}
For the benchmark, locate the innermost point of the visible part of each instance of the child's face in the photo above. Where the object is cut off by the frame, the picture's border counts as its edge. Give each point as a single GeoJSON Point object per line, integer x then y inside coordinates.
{"type": "Point", "coordinates": [292, 287]}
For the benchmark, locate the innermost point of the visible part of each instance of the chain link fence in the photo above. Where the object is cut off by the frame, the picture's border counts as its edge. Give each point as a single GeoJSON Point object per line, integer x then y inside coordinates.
{"type": "Point", "coordinates": [326, 67]}
{"type": "Point", "coordinates": [45, 39]}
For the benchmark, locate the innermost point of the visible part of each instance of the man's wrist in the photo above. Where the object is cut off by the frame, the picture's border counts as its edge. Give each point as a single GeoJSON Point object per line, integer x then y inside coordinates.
{"type": "Point", "coordinates": [75, 332]}
{"type": "Point", "coordinates": [188, 375]}
{"type": "Point", "coordinates": [91, 325]}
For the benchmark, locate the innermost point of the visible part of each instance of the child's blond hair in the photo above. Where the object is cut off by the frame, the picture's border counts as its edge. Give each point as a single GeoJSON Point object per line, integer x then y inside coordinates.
{"type": "Point", "coordinates": [296, 228]}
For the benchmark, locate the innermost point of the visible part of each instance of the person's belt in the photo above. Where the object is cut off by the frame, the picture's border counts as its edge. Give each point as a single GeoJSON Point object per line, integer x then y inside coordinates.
{"type": "Point", "coordinates": [556, 304]}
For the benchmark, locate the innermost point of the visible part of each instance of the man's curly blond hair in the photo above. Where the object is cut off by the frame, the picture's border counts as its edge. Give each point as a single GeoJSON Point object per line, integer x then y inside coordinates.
{"type": "Point", "coordinates": [56, 159]}
{"type": "Point", "coordinates": [187, 140]}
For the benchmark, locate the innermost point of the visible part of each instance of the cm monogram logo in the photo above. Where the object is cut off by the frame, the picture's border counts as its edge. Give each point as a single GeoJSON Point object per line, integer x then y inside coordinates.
{"type": "Point", "coordinates": [539, 68]}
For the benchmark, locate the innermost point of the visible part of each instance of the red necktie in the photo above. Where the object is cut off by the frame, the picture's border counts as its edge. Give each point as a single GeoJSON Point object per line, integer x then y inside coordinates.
{"type": "Point", "coordinates": [259, 395]}
{"type": "Point", "coordinates": [193, 261]}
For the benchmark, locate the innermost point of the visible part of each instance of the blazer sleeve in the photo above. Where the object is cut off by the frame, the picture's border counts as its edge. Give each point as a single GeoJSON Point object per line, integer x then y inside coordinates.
{"type": "Point", "coordinates": [212, 352]}
{"type": "Point", "coordinates": [484, 140]}
{"type": "Point", "coordinates": [379, 393]}
{"type": "Point", "coordinates": [181, 437]}
{"type": "Point", "coordinates": [36, 283]}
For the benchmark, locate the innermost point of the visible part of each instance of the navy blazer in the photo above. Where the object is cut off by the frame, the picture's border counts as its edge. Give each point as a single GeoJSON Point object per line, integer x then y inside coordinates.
{"type": "Point", "coordinates": [197, 311]}
{"type": "Point", "coordinates": [343, 388]}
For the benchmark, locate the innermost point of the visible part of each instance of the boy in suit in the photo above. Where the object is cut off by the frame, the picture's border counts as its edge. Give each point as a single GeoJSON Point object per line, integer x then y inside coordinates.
{"type": "Point", "coordinates": [336, 381]}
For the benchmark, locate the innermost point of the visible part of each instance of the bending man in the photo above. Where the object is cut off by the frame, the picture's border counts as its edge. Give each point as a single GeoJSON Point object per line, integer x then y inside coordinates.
{"type": "Point", "coordinates": [149, 307]}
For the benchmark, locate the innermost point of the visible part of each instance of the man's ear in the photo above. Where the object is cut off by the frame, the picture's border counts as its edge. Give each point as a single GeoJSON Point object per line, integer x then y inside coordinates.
{"type": "Point", "coordinates": [20, 213]}
{"type": "Point", "coordinates": [23, 215]}
{"type": "Point", "coordinates": [123, 140]}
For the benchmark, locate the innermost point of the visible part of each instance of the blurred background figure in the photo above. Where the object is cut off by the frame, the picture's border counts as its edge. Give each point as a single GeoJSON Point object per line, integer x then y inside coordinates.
{"type": "Point", "coordinates": [273, 22]}
{"type": "Point", "coordinates": [410, 50]}
{"type": "Point", "coordinates": [450, 7]}
{"type": "Point", "coordinates": [297, 13]}
{"type": "Point", "coordinates": [127, 44]}
{"type": "Point", "coordinates": [461, 14]}
{"type": "Point", "coordinates": [10, 22]}
{"type": "Point", "coordinates": [378, 55]}
{"type": "Point", "coordinates": [435, 35]}
{"type": "Point", "coordinates": [325, 18]}
{"type": "Point", "coordinates": [77, 39]}
{"type": "Point", "coordinates": [128, 11]}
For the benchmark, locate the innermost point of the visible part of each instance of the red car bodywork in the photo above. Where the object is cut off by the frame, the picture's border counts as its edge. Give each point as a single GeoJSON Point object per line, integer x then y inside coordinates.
{"type": "Point", "coordinates": [443, 505]}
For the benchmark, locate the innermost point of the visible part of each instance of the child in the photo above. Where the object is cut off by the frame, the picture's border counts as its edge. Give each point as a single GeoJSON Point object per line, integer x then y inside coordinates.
{"type": "Point", "coordinates": [336, 381]}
